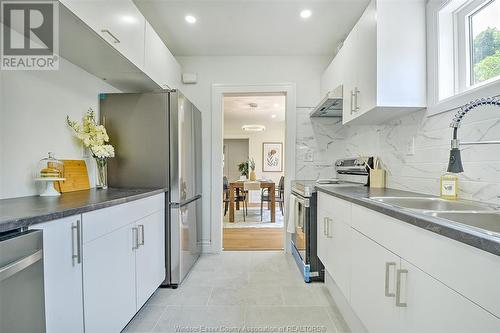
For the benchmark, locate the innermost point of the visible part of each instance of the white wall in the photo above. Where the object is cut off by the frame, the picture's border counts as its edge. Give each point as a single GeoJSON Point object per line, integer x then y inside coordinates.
{"type": "Point", "coordinates": [274, 133]}
{"type": "Point", "coordinates": [33, 121]}
{"type": "Point", "coordinates": [305, 72]}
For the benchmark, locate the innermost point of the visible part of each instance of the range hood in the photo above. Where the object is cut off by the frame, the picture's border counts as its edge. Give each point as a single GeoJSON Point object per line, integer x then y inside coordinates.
{"type": "Point", "coordinates": [331, 105]}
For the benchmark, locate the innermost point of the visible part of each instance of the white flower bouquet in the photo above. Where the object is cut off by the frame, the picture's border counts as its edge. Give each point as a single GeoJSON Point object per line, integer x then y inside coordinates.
{"type": "Point", "coordinates": [94, 137]}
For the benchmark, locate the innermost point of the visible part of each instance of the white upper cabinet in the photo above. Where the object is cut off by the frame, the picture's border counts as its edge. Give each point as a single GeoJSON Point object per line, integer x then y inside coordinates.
{"type": "Point", "coordinates": [119, 22]}
{"type": "Point", "coordinates": [383, 63]}
{"type": "Point", "coordinates": [159, 64]}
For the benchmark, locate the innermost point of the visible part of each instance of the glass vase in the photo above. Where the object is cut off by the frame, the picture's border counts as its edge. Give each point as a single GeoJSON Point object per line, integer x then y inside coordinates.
{"type": "Point", "coordinates": [102, 173]}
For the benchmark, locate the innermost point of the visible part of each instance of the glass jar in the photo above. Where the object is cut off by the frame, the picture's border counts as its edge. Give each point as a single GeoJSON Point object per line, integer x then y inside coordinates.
{"type": "Point", "coordinates": [50, 168]}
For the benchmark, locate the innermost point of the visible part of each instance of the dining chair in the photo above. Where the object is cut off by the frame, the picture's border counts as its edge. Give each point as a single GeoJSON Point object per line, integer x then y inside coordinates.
{"type": "Point", "coordinates": [242, 197]}
{"type": "Point", "coordinates": [250, 186]}
{"type": "Point", "coordinates": [279, 196]}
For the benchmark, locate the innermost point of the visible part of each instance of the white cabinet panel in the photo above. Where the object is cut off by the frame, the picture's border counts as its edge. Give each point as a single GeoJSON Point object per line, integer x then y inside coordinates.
{"type": "Point", "coordinates": [365, 98]}
{"type": "Point", "coordinates": [109, 281]}
{"type": "Point", "coordinates": [322, 238]}
{"type": "Point", "coordinates": [334, 239]}
{"type": "Point", "coordinates": [433, 307]}
{"type": "Point", "coordinates": [159, 63]}
{"type": "Point", "coordinates": [339, 255]}
{"type": "Point", "coordinates": [370, 262]}
{"type": "Point", "coordinates": [150, 256]}
{"type": "Point", "coordinates": [349, 75]}
{"type": "Point", "coordinates": [62, 274]}
{"type": "Point", "coordinates": [119, 22]}
{"type": "Point", "coordinates": [449, 261]}
{"type": "Point", "coordinates": [382, 63]}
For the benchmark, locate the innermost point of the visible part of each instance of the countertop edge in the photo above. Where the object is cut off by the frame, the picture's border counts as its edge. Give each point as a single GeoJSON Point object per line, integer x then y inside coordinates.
{"type": "Point", "coordinates": [429, 223]}
{"type": "Point", "coordinates": [25, 222]}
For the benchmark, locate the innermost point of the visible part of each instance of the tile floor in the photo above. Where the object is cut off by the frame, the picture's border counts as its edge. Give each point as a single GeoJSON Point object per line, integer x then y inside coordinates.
{"type": "Point", "coordinates": [232, 290]}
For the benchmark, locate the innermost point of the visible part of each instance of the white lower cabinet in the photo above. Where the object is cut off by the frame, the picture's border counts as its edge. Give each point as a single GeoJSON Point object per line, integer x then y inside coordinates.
{"type": "Point", "coordinates": [109, 281]}
{"type": "Point", "coordinates": [334, 240]}
{"type": "Point", "coordinates": [124, 261]}
{"type": "Point", "coordinates": [430, 306]}
{"type": "Point", "coordinates": [150, 254]}
{"type": "Point", "coordinates": [385, 290]}
{"type": "Point", "coordinates": [63, 274]}
{"type": "Point", "coordinates": [373, 284]}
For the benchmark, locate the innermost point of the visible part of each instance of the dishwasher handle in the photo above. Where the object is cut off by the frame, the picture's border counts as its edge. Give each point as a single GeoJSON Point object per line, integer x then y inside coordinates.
{"type": "Point", "coordinates": [15, 267]}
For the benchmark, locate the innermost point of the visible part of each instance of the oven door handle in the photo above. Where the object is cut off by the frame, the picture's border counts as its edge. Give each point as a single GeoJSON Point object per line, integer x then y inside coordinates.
{"type": "Point", "coordinates": [305, 202]}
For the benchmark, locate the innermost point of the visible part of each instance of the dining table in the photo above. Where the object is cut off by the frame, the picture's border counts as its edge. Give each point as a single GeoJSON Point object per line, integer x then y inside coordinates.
{"type": "Point", "coordinates": [236, 186]}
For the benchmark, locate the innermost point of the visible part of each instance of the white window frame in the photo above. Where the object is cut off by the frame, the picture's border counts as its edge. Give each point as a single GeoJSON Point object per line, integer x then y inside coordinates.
{"type": "Point", "coordinates": [449, 77]}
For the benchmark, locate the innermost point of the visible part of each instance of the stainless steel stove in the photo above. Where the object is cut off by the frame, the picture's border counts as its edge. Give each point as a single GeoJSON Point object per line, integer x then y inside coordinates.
{"type": "Point", "coordinates": [349, 172]}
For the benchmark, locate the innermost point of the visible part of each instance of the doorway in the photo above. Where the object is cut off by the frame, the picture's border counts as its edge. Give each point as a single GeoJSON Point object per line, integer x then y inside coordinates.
{"type": "Point", "coordinates": [253, 160]}
{"type": "Point", "coordinates": [217, 121]}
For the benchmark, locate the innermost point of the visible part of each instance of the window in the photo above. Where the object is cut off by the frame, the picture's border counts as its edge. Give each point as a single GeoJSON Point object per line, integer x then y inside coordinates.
{"type": "Point", "coordinates": [466, 37]}
{"type": "Point", "coordinates": [484, 43]}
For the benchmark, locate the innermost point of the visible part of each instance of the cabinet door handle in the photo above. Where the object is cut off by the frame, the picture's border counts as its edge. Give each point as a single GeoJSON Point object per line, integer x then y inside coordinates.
{"type": "Point", "coordinates": [398, 288]}
{"type": "Point", "coordinates": [325, 226]}
{"type": "Point", "coordinates": [141, 229]}
{"type": "Point", "coordinates": [352, 102]}
{"type": "Point", "coordinates": [329, 235]}
{"type": "Point", "coordinates": [356, 98]}
{"type": "Point", "coordinates": [115, 40]}
{"type": "Point", "coordinates": [77, 244]}
{"type": "Point", "coordinates": [135, 235]}
{"type": "Point", "coordinates": [387, 278]}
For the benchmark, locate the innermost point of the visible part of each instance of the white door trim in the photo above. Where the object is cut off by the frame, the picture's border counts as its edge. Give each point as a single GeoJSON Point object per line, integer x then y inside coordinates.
{"type": "Point", "coordinates": [218, 92]}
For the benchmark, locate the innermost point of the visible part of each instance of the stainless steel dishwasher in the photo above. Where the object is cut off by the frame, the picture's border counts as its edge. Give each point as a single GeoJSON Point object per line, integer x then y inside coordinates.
{"type": "Point", "coordinates": [22, 308]}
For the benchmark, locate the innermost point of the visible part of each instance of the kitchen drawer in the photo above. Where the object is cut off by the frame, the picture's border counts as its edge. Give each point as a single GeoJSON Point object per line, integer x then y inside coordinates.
{"type": "Point", "coordinates": [469, 271]}
{"type": "Point", "coordinates": [100, 222]}
{"type": "Point", "coordinates": [338, 209]}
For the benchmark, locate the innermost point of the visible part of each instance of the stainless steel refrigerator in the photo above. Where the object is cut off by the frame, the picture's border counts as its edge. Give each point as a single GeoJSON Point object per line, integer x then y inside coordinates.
{"type": "Point", "coordinates": [157, 138]}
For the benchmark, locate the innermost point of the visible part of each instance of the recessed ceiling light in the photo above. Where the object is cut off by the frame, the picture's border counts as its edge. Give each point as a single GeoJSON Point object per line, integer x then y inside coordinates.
{"type": "Point", "coordinates": [190, 19]}
{"type": "Point", "coordinates": [273, 116]}
{"type": "Point", "coordinates": [306, 13]}
{"type": "Point", "coordinates": [253, 128]}
{"type": "Point", "coordinates": [276, 105]}
{"type": "Point", "coordinates": [129, 19]}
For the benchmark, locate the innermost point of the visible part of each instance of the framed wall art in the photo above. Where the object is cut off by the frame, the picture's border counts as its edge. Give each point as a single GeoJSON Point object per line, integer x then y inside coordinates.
{"type": "Point", "coordinates": [272, 157]}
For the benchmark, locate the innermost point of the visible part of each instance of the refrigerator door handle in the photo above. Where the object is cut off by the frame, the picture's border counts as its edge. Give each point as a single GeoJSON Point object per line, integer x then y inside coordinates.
{"type": "Point", "coordinates": [185, 202]}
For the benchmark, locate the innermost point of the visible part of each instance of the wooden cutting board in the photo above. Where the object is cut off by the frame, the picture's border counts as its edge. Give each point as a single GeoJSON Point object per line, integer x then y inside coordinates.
{"type": "Point", "coordinates": [77, 178]}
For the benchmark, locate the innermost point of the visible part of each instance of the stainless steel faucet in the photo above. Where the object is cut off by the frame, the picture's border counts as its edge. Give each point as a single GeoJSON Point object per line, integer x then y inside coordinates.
{"type": "Point", "coordinates": [455, 162]}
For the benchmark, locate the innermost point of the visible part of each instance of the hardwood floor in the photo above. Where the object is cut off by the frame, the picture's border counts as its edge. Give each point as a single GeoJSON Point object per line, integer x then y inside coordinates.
{"type": "Point", "coordinates": [240, 239]}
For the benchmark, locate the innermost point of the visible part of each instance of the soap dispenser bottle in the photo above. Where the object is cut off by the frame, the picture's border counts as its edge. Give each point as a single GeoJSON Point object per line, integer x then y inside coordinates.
{"type": "Point", "coordinates": [449, 186]}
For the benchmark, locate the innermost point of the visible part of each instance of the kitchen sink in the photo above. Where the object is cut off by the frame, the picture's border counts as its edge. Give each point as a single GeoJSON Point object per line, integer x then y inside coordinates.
{"type": "Point", "coordinates": [489, 221]}
{"type": "Point", "coordinates": [433, 204]}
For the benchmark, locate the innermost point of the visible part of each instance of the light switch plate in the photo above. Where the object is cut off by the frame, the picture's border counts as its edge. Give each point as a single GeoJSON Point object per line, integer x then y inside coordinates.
{"type": "Point", "coordinates": [309, 156]}
{"type": "Point", "coordinates": [410, 147]}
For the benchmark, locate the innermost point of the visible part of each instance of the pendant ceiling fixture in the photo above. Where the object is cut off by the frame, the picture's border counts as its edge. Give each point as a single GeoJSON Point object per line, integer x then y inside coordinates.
{"type": "Point", "coordinates": [253, 128]}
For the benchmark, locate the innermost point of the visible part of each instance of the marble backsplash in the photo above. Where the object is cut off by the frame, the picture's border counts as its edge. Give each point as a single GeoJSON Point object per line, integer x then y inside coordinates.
{"type": "Point", "coordinates": [326, 140]}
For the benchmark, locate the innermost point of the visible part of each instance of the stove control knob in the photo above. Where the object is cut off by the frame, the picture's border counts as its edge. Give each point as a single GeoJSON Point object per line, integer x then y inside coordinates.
{"type": "Point", "coordinates": [339, 163]}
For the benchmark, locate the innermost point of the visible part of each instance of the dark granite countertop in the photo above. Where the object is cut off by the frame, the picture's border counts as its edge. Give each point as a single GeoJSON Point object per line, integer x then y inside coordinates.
{"type": "Point", "coordinates": [25, 211]}
{"type": "Point", "coordinates": [360, 195]}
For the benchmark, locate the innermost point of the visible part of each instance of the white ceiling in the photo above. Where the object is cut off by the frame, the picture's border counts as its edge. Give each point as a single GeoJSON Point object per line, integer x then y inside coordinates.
{"type": "Point", "coordinates": [252, 27]}
{"type": "Point", "coordinates": [237, 111]}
